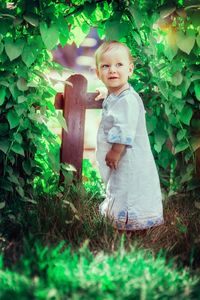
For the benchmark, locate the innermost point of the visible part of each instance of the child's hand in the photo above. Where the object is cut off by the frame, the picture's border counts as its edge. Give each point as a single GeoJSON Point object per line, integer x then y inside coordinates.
{"type": "Point", "coordinates": [102, 93]}
{"type": "Point", "coordinates": [112, 159]}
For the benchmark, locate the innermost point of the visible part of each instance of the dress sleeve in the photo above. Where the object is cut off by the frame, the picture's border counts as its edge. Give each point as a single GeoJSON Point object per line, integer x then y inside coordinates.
{"type": "Point", "coordinates": [125, 115]}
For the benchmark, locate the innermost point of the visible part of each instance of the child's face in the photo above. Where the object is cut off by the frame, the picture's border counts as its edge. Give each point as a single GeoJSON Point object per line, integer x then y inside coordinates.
{"type": "Point", "coordinates": [114, 68]}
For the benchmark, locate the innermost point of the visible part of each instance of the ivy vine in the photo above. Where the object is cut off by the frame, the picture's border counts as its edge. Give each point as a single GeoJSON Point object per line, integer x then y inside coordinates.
{"type": "Point", "coordinates": [165, 41]}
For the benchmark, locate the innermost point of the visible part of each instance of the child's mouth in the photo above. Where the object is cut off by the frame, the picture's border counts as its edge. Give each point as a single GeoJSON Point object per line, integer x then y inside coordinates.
{"type": "Point", "coordinates": [113, 78]}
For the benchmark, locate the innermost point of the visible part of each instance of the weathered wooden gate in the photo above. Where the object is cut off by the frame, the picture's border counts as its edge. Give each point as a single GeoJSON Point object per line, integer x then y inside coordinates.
{"type": "Point", "coordinates": [74, 103]}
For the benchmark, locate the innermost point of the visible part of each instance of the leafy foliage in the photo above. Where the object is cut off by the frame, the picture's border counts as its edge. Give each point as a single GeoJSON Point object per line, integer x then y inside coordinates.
{"type": "Point", "coordinates": [56, 274]}
{"type": "Point", "coordinates": [26, 32]}
{"type": "Point", "coordinates": [165, 40]}
{"type": "Point", "coordinates": [92, 180]}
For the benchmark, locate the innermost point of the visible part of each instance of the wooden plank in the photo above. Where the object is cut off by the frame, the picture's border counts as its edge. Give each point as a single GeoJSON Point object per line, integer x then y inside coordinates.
{"type": "Point", "coordinates": [59, 101]}
{"type": "Point", "coordinates": [91, 103]}
{"type": "Point", "coordinates": [74, 113]}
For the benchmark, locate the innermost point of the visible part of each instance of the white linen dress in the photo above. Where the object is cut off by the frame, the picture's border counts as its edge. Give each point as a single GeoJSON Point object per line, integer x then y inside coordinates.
{"type": "Point", "coordinates": [133, 196]}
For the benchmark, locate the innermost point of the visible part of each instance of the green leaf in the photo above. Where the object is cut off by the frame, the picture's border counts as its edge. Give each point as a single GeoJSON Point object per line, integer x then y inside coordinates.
{"type": "Point", "coordinates": [6, 185]}
{"type": "Point", "coordinates": [163, 87]}
{"type": "Point", "coordinates": [21, 108]}
{"type": "Point", "coordinates": [17, 148]}
{"type": "Point", "coordinates": [4, 146]}
{"type": "Point", "coordinates": [179, 104]}
{"type": "Point", "coordinates": [1, 47]}
{"type": "Point", "coordinates": [13, 49]}
{"type": "Point", "coordinates": [14, 179]}
{"type": "Point", "coordinates": [28, 56]}
{"type": "Point", "coordinates": [181, 146]}
{"type": "Point", "coordinates": [32, 19]}
{"type": "Point", "coordinates": [63, 39]}
{"type": "Point", "coordinates": [115, 30]}
{"type": "Point", "coordinates": [49, 35]}
{"type": "Point", "coordinates": [197, 90]}
{"type": "Point", "coordinates": [2, 204]}
{"type": "Point", "coordinates": [26, 199]}
{"type": "Point", "coordinates": [14, 90]}
{"type": "Point", "coordinates": [101, 32]}
{"type": "Point", "coordinates": [186, 115]}
{"type": "Point", "coordinates": [177, 94]}
{"type": "Point", "coordinates": [198, 40]}
{"type": "Point", "coordinates": [168, 108]}
{"type": "Point", "coordinates": [20, 191]}
{"type": "Point", "coordinates": [135, 12]}
{"type": "Point", "coordinates": [185, 42]}
{"type": "Point", "coordinates": [4, 128]}
{"type": "Point", "coordinates": [61, 120]}
{"type": "Point", "coordinates": [54, 161]}
{"type": "Point", "coordinates": [173, 120]}
{"type": "Point", "coordinates": [4, 25]}
{"type": "Point", "coordinates": [22, 84]}
{"type": "Point", "coordinates": [195, 16]}
{"type": "Point", "coordinates": [164, 158]}
{"type": "Point", "coordinates": [27, 167]}
{"type": "Point", "coordinates": [13, 119]}
{"type": "Point", "coordinates": [177, 78]}
{"type": "Point", "coordinates": [188, 173]}
{"type": "Point", "coordinates": [18, 138]}
{"type": "Point", "coordinates": [181, 134]}
{"type": "Point", "coordinates": [21, 99]}
{"type": "Point", "coordinates": [63, 26]}
{"type": "Point", "coordinates": [2, 95]}
{"type": "Point", "coordinates": [78, 34]}
{"type": "Point", "coordinates": [170, 52]}
{"type": "Point", "coordinates": [137, 38]}
{"type": "Point", "coordinates": [11, 159]}
{"type": "Point", "coordinates": [185, 85]}
{"type": "Point", "coordinates": [160, 138]}
{"type": "Point", "coordinates": [195, 77]}
{"type": "Point", "coordinates": [151, 123]}
{"type": "Point", "coordinates": [85, 28]}
{"type": "Point", "coordinates": [4, 83]}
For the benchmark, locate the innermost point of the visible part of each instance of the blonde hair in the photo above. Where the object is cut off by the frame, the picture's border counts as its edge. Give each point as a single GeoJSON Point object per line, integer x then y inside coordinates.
{"type": "Point", "coordinates": [106, 46]}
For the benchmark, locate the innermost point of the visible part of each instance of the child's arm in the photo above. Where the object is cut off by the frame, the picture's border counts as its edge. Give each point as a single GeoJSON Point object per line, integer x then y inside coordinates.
{"type": "Point", "coordinates": [114, 154]}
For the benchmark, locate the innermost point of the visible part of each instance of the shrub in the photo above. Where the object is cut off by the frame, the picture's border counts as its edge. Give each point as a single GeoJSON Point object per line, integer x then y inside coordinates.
{"type": "Point", "coordinates": [55, 274]}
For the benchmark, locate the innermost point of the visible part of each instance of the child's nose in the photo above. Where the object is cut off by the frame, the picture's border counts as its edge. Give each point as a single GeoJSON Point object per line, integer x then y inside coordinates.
{"type": "Point", "coordinates": [112, 68]}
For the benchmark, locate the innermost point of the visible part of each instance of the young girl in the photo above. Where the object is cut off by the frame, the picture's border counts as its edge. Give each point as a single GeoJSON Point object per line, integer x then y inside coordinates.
{"type": "Point", "coordinates": [133, 197]}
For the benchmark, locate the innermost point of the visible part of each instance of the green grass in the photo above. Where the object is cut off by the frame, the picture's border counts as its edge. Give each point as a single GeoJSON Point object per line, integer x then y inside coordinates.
{"type": "Point", "coordinates": [59, 273]}
{"type": "Point", "coordinates": [94, 263]}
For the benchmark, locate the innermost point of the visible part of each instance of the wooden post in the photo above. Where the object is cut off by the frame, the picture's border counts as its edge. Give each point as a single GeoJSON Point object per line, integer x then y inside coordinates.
{"type": "Point", "coordinates": [74, 103]}
{"type": "Point", "coordinates": [74, 114]}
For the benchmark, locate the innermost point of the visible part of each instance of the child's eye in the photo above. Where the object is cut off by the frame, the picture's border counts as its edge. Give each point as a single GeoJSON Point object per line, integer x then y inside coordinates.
{"type": "Point", "coordinates": [105, 67]}
{"type": "Point", "coordinates": [119, 65]}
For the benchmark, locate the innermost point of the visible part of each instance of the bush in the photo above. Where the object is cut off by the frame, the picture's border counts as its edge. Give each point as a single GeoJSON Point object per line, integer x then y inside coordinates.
{"type": "Point", "coordinates": [55, 274]}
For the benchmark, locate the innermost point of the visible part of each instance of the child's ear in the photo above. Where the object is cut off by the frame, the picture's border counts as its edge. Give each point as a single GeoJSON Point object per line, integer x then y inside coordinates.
{"type": "Point", "coordinates": [131, 68]}
{"type": "Point", "coordinates": [97, 72]}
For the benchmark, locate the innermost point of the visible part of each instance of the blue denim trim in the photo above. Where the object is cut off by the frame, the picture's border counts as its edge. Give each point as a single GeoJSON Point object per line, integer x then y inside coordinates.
{"type": "Point", "coordinates": [134, 222]}
{"type": "Point", "coordinates": [112, 138]}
